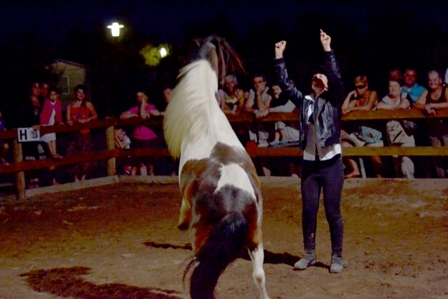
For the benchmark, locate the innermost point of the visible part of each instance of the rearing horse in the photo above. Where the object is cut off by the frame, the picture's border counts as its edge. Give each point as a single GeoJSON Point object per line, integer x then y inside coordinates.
{"type": "Point", "coordinates": [222, 203]}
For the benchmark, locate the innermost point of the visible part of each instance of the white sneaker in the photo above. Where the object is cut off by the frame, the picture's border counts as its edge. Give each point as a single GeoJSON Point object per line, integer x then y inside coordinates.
{"type": "Point", "coordinates": [337, 264]}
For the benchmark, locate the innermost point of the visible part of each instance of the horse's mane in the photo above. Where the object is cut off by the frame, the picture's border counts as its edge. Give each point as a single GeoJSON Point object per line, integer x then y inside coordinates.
{"type": "Point", "coordinates": [193, 106]}
{"type": "Point", "coordinates": [228, 59]}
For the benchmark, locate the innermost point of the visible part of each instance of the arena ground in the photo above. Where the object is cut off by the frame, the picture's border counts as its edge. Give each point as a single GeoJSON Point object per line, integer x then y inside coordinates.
{"type": "Point", "coordinates": [120, 241]}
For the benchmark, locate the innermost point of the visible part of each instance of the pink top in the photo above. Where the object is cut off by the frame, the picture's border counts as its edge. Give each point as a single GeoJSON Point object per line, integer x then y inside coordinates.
{"type": "Point", "coordinates": [47, 110]}
{"type": "Point", "coordinates": [142, 132]}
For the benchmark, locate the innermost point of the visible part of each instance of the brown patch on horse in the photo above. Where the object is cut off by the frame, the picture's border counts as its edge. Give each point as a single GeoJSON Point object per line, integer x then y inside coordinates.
{"type": "Point", "coordinates": [199, 180]}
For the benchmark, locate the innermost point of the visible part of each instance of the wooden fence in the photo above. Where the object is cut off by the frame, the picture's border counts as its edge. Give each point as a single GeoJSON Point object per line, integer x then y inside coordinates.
{"type": "Point", "coordinates": [18, 167]}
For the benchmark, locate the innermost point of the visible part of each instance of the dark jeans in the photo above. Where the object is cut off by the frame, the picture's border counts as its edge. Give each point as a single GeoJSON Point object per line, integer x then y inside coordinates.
{"type": "Point", "coordinates": [329, 176]}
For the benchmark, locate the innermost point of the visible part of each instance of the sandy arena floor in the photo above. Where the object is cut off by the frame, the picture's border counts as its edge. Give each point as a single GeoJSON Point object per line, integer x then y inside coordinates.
{"type": "Point", "coordinates": [120, 241]}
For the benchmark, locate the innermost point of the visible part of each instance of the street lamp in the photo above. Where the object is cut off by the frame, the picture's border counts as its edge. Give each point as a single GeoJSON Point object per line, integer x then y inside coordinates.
{"type": "Point", "coordinates": [115, 28]}
{"type": "Point", "coordinates": [162, 52]}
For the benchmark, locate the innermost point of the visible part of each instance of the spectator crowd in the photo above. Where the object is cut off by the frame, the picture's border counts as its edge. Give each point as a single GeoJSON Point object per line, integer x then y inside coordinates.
{"type": "Point", "coordinates": [43, 107]}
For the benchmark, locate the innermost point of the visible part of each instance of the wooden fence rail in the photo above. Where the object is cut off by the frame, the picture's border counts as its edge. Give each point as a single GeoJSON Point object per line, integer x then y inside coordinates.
{"type": "Point", "coordinates": [110, 153]}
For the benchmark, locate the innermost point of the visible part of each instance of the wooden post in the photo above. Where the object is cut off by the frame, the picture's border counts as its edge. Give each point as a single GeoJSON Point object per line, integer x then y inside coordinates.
{"type": "Point", "coordinates": [19, 176]}
{"type": "Point", "coordinates": [110, 144]}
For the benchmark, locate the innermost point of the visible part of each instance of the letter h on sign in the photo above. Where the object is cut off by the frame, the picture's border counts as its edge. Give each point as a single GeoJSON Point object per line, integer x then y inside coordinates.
{"type": "Point", "coordinates": [27, 135]}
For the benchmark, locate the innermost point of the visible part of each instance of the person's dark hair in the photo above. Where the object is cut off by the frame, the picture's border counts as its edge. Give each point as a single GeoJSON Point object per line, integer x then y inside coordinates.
{"type": "Point", "coordinates": [82, 87]}
{"type": "Point", "coordinates": [51, 89]}
{"type": "Point", "coordinates": [394, 80]}
{"type": "Point", "coordinates": [259, 75]}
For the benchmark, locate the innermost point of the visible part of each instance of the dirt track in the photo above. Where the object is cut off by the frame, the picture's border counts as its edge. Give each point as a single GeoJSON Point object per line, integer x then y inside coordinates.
{"type": "Point", "coordinates": [120, 241]}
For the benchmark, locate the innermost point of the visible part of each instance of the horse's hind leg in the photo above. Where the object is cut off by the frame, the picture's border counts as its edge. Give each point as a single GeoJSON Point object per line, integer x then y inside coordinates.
{"type": "Point", "coordinates": [185, 215]}
{"type": "Point", "coordinates": [257, 257]}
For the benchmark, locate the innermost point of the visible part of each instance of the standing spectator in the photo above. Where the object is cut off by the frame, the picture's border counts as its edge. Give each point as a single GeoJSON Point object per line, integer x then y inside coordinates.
{"type": "Point", "coordinates": [322, 167]}
{"type": "Point", "coordinates": [81, 110]}
{"type": "Point", "coordinates": [44, 90]}
{"type": "Point", "coordinates": [144, 137]}
{"type": "Point", "coordinates": [396, 74]}
{"type": "Point", "coordinates": [27, 114]}
{"type": "Point", "coordinates": [51, 114]}
{"type": "Point", "coordinates": [436, 97]}
{"type": "Point", "coordinates": [359, 99]}
{"type": "Point", "coordinates": [397, 132]}
{"type": "Point", "coordinates": [410, 85]}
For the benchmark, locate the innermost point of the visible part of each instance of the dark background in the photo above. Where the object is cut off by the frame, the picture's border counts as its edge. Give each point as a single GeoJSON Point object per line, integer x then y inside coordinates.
{"type": "Point", "coordinates": [369, 37]}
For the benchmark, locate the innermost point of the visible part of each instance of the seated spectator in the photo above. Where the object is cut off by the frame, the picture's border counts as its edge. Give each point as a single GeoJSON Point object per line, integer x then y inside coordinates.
{"type": "Point", "coordinates": [144, 137]}
{"type": "Point", "coordinates": [283, 133]}
{"type": "Point", "coordinates": [122, 141]}
{"type": "Point", "coordinates": [410, 85]}
{"type": "Point", "coordinates": [359, 99]}
{"type": "Point", "coordinates": [80, 111]}
{"type": "Point", "coordinates": [240, 95]}
{"type": "Point", "coordinates": [4, 146]}
{"type": "Point", "coordinates": [230, 103]}
{"type": "Point", "coordinates": [399, 133]}
{"type": "Point", "coordinates": [258, 101]}
{"type": "Point", "coordinates": [431, 100]}
{"type": "Point", "coordinates": [166, 98]}
{"type": "Point", "coordinates": [51, 114]}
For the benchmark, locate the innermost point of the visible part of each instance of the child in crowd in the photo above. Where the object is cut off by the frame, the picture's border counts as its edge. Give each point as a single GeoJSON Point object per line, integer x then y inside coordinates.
{"type": "Point", "coordinates": [51, 114]}
{"type": "Point", "coordinates": [123, 141]}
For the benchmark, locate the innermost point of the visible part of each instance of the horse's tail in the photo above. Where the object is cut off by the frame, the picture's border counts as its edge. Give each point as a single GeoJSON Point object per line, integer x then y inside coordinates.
{"type": "Point", "coordinates": [223, 246]}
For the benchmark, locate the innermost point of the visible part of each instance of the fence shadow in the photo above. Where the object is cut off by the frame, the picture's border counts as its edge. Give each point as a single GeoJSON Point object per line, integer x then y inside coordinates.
{"type": "Point", "coordinates": [66, 282]}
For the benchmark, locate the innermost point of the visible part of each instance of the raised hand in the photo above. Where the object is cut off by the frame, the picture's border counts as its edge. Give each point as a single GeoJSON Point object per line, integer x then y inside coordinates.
{"type": "Point", "coordinates": [279, 49]}
{"type": "Point", "coordinates": [325, 39]}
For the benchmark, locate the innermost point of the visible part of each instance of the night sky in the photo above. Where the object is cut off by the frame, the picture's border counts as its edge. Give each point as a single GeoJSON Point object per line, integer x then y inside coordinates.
{"type": "Point", "coordinates": [370, 37]}
{"type": "Point", "coordinates": [166, 19]}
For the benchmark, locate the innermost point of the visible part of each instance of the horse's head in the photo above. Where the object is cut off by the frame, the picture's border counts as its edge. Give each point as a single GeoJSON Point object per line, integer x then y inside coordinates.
{"type": "Point", "coordinates": [222, 57]}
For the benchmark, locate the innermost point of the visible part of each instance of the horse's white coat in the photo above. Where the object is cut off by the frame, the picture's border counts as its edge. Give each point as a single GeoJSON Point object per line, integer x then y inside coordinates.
{"type": "Point", "coordinates": [194, 122]}
{"type": "Point", "coordinates": [235, 175]}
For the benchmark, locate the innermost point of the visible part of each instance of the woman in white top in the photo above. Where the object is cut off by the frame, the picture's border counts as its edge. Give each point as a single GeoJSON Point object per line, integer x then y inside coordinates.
{"type": "Point", "coordinates": [397, 132]}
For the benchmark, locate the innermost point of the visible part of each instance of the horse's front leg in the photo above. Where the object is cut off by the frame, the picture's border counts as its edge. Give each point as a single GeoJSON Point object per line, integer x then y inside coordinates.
{"type": "Point", "coordinates": [185, 215]}
{"type": "Point", "coordinates": [257, 257]}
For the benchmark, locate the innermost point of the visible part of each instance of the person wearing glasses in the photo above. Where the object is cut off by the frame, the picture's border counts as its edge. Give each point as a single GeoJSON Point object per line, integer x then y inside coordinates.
{"type": "Point", "coordinates": [361, 98]}
{"type": "Point", "coordinates": [410, 85]}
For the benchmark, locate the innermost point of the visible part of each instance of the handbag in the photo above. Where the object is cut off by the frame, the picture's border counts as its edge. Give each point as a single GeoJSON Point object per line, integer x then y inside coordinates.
{"type": "Point", "coordinates": [409, 126]}
{"type": "Point", "coordinates": [371, 135]}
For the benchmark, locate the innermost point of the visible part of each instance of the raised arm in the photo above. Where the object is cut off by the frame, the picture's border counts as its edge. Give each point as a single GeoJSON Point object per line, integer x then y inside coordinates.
{"type": "Point", "coordinates": [285, 83]}
{"type": "Point", "coordinates": [335, 82]}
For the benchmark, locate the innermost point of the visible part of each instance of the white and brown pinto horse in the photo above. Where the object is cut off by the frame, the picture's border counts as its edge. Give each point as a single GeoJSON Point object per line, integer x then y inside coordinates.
{"type": "Point", "coordinates": [222, 203]}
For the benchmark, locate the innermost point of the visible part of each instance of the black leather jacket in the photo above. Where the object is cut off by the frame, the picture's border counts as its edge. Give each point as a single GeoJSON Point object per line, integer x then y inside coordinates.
{"type": "Point", "coordinates": [327, 109]}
